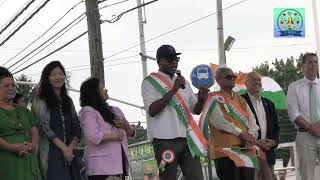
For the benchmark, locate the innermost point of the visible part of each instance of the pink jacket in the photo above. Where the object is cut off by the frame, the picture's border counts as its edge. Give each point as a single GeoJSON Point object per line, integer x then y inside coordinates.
{"type": "Point", "coordinates": [102, 158]}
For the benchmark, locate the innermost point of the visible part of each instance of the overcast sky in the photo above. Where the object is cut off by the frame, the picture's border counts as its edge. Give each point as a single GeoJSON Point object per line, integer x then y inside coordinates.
{"type": "Point", "coordinates": [250, 23]}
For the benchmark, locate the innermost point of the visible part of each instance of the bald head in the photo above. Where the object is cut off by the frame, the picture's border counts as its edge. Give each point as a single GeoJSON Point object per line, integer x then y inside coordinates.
{"type": "Point", "coordinates": [253, 83]}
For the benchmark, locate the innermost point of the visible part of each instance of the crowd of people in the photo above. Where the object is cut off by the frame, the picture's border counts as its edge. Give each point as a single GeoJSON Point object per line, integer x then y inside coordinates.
{"type": "Point", "coordinates": [39, 144]}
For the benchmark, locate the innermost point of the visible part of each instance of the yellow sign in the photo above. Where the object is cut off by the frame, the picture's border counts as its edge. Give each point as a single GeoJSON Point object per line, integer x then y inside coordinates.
{"type": "Point", "coordinates": [141, 151]}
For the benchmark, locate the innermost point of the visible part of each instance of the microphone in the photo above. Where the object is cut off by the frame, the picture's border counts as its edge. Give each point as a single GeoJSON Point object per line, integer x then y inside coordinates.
{"type": "Point", "coordinates": [178, 72]}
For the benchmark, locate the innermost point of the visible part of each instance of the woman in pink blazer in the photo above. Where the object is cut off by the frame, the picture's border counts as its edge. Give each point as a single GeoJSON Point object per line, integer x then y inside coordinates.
{"type": "Point", "coordinates": [105, 131]}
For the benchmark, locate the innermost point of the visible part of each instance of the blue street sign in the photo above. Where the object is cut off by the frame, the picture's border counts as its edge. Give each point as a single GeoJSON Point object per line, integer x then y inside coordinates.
{"type": "Point", "coordinates": [201, 76]}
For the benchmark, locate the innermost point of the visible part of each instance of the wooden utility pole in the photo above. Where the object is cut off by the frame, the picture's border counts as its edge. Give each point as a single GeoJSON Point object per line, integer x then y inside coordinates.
{"type": "Point", "coordinates": [95, 42]}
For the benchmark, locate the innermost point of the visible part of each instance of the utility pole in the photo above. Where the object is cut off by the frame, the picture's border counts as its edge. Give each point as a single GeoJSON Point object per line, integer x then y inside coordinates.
{"type": "Point", "coordinates": [95, 42]}
{"type": "Point", "coordinates": [221, 52]}
{"type": "Point", "coordinates": [142, 40]}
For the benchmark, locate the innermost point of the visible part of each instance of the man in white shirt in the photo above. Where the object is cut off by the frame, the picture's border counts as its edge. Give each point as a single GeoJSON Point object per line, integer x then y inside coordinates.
{"type": "Point", "coordinates": [304, 112]}
{"type": "Point", "coordinates": [165, 128]}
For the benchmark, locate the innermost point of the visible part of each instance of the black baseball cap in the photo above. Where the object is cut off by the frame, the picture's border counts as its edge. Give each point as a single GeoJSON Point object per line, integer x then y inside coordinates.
{"type": "Point", "coordinates": [166, 51]}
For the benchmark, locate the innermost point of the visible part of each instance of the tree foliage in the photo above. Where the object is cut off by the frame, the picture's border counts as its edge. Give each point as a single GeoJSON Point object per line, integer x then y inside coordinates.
{"type": "Point", "coordinates": [28, 91]}
{"type": "Point", "coordinates": [283, 72]}
{"type": "Point", "coordinates": [141, 135]}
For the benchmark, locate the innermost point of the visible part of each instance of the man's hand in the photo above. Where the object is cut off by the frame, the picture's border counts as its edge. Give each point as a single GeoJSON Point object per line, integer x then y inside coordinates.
{"type": "Point", "coordinates": [247, 137]}
{"type": "Point", "coordinates": [265, 143]}
{"type": "Point", "coordinates": [178, 82]}
{"type": "Point", "coordinates": [314, 129]}
{"type": "Point", "coordinates": [203, 94]}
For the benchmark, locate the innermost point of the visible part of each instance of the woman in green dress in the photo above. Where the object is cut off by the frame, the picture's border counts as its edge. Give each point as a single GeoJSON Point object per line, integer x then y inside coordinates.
{"type": "Point", "coordinates": [18, 135]}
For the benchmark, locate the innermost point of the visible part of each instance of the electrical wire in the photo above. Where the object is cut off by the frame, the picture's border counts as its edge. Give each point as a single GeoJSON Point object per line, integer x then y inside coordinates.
{"type": "Point", "coordinates": [50, 43]}
{"type": "Point", "coordinates": [118, 59]}
{"type": "Point", "coordinates": [101, 1]}
{"type": "Point", "coordinates": [79, 37]}
{"type": "Point", "coordinates": [72, 68]}
{"type": "Point", "coordinates": [61, 47]}
{"type": "Point", "coordinates": [43, 33]}
{"type": "Point", "coordinates": [24, 23]}
{"type": "Point", "coordinates": [175, 29]}
{"type": "Point", "coordinates": [113, 4]}
{"type": "Point", "coordinates": [15, 17]}
{"type": "Point", "coordinates": [130, 62]}
{"type": "Point", "coordinates": [118, 17]}
{"type": "Point", "coordinates": [81, 16]}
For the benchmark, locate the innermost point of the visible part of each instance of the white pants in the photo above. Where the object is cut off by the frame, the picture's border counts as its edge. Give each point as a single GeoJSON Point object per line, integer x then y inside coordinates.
{"type": "Point", "coordinates": [308, 150]}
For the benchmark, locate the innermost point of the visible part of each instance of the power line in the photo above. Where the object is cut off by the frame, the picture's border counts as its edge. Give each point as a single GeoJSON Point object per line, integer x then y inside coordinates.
{"type": "Point", "coordinates": [49, 30]}
{"type": "Point", "coordinates": [175, 29]}
{"type": "Point", "coordinates": [113, 4]}
{"type": "Point", "coordinates": [117, 18]}
{"type": "Point", "coordinates": [107, 65]}
{"type": "Point", "coordinates": [75, 67]}
{"type": "Point", "coordinates": [101, 1]}
{"type": "Point", "coordinates": [15, 17]}
{"type": "Point", "coordinates": [82, 15]}
{"type": "Point", "coordinates": [51, 52]}
{"type": "Point", "coordinates": [118, 59]}
{"type": "Point", "coordinates": [110, 21]}
{"type": "Point", "coordinates": [25, 18]}
{"type": "Point", "coordinates": [50, 43]}
{"type": "Point", "coordinates": [23, 23]}
{"type": "Point", "coordinates": [43, 33]}
{"type": "Point", "coordinates": [190, 50]}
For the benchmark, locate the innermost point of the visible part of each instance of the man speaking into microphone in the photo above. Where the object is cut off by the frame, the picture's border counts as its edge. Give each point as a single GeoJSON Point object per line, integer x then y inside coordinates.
{"type": "Point", "coordinates": [169, 102]}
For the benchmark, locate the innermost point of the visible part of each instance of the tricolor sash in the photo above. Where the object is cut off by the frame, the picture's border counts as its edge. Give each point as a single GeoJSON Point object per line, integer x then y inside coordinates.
{"type": "Point", "coordinates": [242, 157]}
{"type": "Point", "coordinates": [196, 142]}
{"type": "Point", "coordinates": [233, 110]}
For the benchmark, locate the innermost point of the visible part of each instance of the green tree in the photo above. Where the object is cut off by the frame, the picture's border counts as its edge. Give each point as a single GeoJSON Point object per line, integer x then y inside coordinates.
{"type": "Point", "coordinates": [141, 135]}
{"type": "Point", "coordinates": [27, 90]}
{"type": "Point", "coordinates": [283, 72]}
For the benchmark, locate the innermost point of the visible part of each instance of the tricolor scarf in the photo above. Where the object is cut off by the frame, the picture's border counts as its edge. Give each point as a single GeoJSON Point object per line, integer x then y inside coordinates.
{"type": "Point", "coordinates": [196, 142]}
{"type": "Point", "coordinates": [241, 157]}
{"type": "Point", "coordinates": [233, 110]}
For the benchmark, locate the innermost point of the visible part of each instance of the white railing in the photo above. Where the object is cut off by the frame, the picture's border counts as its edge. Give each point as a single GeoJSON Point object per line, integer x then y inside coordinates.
{"type": "Point", "coordinates": [294, 164]}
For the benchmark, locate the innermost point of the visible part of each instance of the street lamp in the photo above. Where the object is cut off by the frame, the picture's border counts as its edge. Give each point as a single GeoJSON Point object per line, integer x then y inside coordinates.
{"type": "Point", "coordinates": [228, 43]}
{"type": "Point", "coordinates": [227, 46]}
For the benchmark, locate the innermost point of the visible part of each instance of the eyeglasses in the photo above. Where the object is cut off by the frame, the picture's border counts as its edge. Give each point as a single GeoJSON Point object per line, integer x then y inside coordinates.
{"type": "Point", "coordinates": [171, 59]}
{"type": "Point", "coordinates": [229, 77]}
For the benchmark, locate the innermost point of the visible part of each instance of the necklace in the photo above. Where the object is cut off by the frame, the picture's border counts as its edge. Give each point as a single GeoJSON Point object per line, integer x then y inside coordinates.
{"type": "Point", "coordinates": [14, 119]}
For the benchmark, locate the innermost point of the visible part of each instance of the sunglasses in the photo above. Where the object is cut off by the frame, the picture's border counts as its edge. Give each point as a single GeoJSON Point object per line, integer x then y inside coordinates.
{"type": "Point", "coordinates": [229, 77]}
{"type": "Point", "coordinates": [171, 59]}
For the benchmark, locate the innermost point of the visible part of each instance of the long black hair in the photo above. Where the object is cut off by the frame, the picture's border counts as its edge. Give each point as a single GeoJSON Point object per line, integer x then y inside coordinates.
{"type": "Point", "coordinates": [45, 89]}
{"type": "Point", "coordinates": [90, 96]}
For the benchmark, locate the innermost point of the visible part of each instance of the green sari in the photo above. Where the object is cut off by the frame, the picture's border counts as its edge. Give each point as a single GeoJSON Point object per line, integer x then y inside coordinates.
{"type": "Point", "coordinates": [15, 127]}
